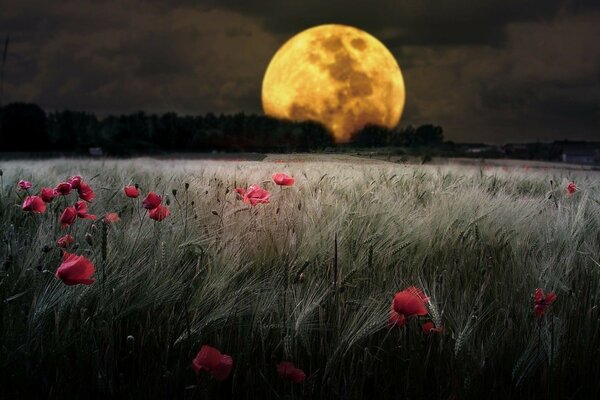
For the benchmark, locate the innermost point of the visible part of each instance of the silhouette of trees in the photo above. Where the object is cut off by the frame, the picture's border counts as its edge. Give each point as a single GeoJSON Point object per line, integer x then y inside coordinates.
{"type": "Point", "coordinates": [373, 136]}
{"type": "Point", "coordinates": [25, 127]}
{"type": "Point", "coordinates": [377, 136]}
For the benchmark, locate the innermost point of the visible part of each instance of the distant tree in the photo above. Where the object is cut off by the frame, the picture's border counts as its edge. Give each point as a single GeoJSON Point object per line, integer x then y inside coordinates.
{"type": "Point", "coordinates": [424, 135]}
{"type": "Point", "coordinates": [429, 135]}
{"type": "Point", "coordinates": [72, 130]}
{"type": "Point", "coordinates": [23, 128]}
{"type": "Point", "coordinates": [403, 137]}
{"type": "Point", "coordinates": [372, 136]}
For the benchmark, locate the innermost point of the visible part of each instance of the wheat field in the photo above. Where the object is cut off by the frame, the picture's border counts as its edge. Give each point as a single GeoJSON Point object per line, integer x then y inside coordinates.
{"type": "Point", "coordinates": [308, 278]}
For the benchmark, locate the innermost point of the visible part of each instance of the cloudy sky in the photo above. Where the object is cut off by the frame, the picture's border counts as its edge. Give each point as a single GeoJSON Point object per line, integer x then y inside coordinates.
{"type": "Point", "coordinates": [486, 70]}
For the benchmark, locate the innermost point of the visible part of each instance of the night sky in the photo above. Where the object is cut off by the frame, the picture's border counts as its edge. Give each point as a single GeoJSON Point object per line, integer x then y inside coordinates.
{"type": "Point", "coordinates": [485, 70]}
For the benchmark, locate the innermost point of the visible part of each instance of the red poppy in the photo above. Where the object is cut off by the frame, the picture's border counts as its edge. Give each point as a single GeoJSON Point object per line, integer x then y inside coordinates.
{"type": "Point", "coordinates": [151, 201]}
{"type": "Point", "coordinates": [47, 194]}
{"type": "Point", "coordinates": [75, 270]}
{"type": "Point", "coordinates": [65, 240]}
{"type": "Point", "coordinates": [68, 216]}
{"type": "Point", "coordinates": [63, 189]}
{"type": "Point", "coordinates": [24, 185]}
{"type": "Point", "coordinates": [429, 327]}
{"type": "Point", "coordinates": [542, 302]}
{"type": "Point", "coordinates": [254, 195]}
{"type": "Point", "coordinates": [288, 370]}
{"type": "Point", "coordinates": [283, 179]}
{"type": "Point", "coordinates": [210, 359]}
{"type": "Point", "coordinates": [571, 188]}
{"type": "Point", "coordinates": [82, 210]}
{"type": "Point", "coordinates": [395, 318]}
{"type": "Point", "coordinates": [112, 217]}
{"type": "Point", "coordinates": [75, 181]}
{"type": "Point", "coordinates": [85, 192]}
{"type": "Point", "coordinates": [131, 191]}
{"type": "Point", "coordinates": [159, 213]}
{"type": "Point", "coordinates": [407, 303]}
{"type": "Point", "coordinates": [34, 204]}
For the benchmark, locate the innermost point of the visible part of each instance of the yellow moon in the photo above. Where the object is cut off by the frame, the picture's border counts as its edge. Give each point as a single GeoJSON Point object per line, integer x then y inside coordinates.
{"type": "Point", "coordinates": [337, 75]}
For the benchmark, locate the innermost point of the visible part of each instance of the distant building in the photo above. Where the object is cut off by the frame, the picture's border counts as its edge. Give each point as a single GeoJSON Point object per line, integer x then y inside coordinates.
{"type": "Point", "coordinates": [483, 149]}
{"type": "Point", "coordinates": [95, 151]}
{"type": "Point", "coordinates": [580, 155]}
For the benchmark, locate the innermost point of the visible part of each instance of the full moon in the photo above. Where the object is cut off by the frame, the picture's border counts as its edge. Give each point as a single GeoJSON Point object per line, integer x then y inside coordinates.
{"type": "Point", "coordinates": [337, 75]}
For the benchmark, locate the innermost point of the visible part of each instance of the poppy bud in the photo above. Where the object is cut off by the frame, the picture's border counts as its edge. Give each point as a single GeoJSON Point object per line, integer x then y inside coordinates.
{"type": "Point", "coordinates": [89, 239]}
{"type": "Point", "coordinates": [214, 212]}
{"type": "Point", "coordinates": [301, 277]}
{"type": "Point", "coordinates": [192, 203]}
{"type": "Point", "coordinates": [187, 186]}
{"type": "Point", "coordinates": [1, 172]}
{"type": "Point", "coordinates": [174, 191]}
{"type": "Point", "coordinates": [46, 249]}
{"type": "Point", "coordinates": [130, 340]}
{"type": "Point", "coordinates": [167, 201]}
{"type": "Point", "coordinates": [299, 206]}
{"type": "Point", "coordinates": [136, 185]}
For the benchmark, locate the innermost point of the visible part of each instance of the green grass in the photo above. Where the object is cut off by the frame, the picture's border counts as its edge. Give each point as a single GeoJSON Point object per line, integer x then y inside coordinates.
{"type": "Point", "coordinates": [477, 241]}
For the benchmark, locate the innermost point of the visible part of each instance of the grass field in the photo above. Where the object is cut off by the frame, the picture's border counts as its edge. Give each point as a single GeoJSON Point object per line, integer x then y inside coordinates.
{"type": "Point", "coordinates": [307, 278]}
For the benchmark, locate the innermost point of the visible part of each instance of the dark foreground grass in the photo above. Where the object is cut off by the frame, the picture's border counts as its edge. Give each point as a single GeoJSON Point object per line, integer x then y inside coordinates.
{"type": "Point", "coordinates": [308, 278]}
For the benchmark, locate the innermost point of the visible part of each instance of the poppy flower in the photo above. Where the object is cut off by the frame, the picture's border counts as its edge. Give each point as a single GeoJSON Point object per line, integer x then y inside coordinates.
{"type": "Point", "coordinates": [159, 213]}
{"type": "Point", "coordinates": [407, 303]}
{"type": "Point", "coordinates": [65, 240]}
{"type": "Point", "coordinates": [85, 192]}
{"type": "Point", "coordinates": [151, 201]}
{"type": "Point", "coordinates": [288, 370]}
{"type": "Point", "coordinates": [131, 191]}
{"type": "Point", "coordinates": [68, 216]}
{"type": "Point", "coordinates": [254, 195]}
{"type": "Point", "coordinates": [82, 210]}
{"type": "Point", "coordinates": [112, 217]}
{"type": "Point", "coordinates": [429, 327]}
{"type": "Point", "coordinates": [47, 194]}
{"type": "Point", "coordinates": [541, 302]}
{"type": "Point", "coordinates": [210, 359]}
{"type": "Point", "coordinates": [63, 189]}
{"type": "Point", "coordinates": [24, 185]}
{"type": "Point", "coordinates": [75, 181]}
{"type": "Point", "coordinates": [34, 204]}
{"type": "Point", "coordinates": [75, 270]}
{"type": "Point", "coordinates": [571, 188]}
{"type": "Point", "coordinates": [283, 179]}
{"type": "Point", "coordinates": [396, 319]}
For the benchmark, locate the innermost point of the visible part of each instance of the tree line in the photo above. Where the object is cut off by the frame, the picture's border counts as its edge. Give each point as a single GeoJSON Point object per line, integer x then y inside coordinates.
{"type": "Point", "coordinates": [26, 127]}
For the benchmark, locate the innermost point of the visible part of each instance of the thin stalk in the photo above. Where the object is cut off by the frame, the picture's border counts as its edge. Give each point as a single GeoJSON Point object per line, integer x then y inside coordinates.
{"type": "Point", "coordinates": [186, 211]}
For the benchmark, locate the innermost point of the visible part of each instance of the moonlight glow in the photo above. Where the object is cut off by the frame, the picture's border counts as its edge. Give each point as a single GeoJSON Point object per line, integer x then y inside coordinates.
{"type": "Point", "coordinates": [337, 75]}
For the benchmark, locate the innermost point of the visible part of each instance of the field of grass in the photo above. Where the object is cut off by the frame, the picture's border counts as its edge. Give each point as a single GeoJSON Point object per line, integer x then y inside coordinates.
{"type": "Point", "coordinates": [308, 278]}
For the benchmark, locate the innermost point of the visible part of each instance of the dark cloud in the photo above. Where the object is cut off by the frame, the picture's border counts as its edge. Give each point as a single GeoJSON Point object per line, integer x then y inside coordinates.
{"type": "Point", "coordinates": [408, 22]}
{"type": "Point", "coordinates": [486, 70]}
